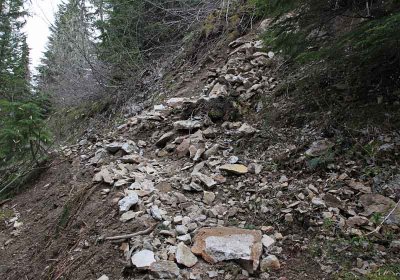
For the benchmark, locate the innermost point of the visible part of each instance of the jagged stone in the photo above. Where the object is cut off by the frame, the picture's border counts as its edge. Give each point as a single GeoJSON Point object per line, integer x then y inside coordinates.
{"type": "Point", "coordinates": [184, 255]}
{"type": "Point", "coordinates": [208, 197]}
{"type": "Point", "coordinates": [176, 102]}
{"type": "Point", "coordinates": [319, 148]}
{"type": "Point", "coordinates": [183, 149]}
{"type": "Point", "coordinates": [211, 152]}
{"type": "Point", "coordinates": [210, 132]}
{"type": "Point", "coordinates": [98, 157]}
{"type": "Point", "coordinates": [255, 168]}
{"type": "Point", "coordinates": [237, 169]}
{"type": "Point", "coordinates": [218, 90]}
{"type": "Point", "coordinates": [164, 139]}
{"type": "Point", "coordinates": [270, 263]}
{"type": "Point", "coordinates": [376, 203]}
{"type": "Point", "coordinates": [155, 213]}
{"type": "Point", "coordinates": [267, 241]}
{"type": "Point", "coordinates": [208, 181]}
{"type": "Point", "coordinates": [247, 129]}
{"type": "Point", "coordinates": [127, 216]}
{"type": "Point", "coordinates": [165, 270]}
{"type": "Point", "coordinates": [103, 176]}
{"type": "Point", "coordinates": [128, 201]}
{"type": "Point", "coordinates": [113, 147]}
{"type": "Point", "coordinates": [132, 159]}
{"type": "Point", "coordinates": [187, 125]}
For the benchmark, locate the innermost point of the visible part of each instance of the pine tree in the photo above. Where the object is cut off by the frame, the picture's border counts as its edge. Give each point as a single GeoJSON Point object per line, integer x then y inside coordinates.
{"type": "Point", "coordinates": [21, 121]}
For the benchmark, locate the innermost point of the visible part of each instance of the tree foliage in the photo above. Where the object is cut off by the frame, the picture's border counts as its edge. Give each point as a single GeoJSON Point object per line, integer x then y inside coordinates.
{"type": "Point", "coordinates": [357, 39]}
{"type": "Point", "coordinates": [22, 128]}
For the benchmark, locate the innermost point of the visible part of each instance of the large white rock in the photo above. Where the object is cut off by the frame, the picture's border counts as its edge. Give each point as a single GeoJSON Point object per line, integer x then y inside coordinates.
{"type": "Point", "coordinates": [128, 201]}
{"type": "Point", "coordinates": [221, 244]}
{"type": "Point", "coordinates": [143, 259]}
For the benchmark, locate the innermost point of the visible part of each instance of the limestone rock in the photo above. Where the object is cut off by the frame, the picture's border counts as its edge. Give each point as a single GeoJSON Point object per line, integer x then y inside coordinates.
{"type": "Point", "coordinates": [221, 244]}
{"type": "Point", "coordinates": [98, 157]}
{"type": "Point", "coordinates": [127, 216]}
{"type": "Point", "coordinates": [187, 125]}
{"type": "Point", "coordinates": [208, 197]}
{"type": "Point", "coordinates": [164, 270]}
{"type": "Point", "coordinates": [132, 159]}
{"type": "Point", "coordinates": [113, 147]}
{"type": "Point", "coordinates": [270, 263]}
{"type": "Point", "coordinates": [255, 168]}
{"type": "Point", "coordinates": [183, 148]}
{"type": "Point", "coordinates": [185, 256]}
{"type": "Point", "coordinates": [103, 176]}
{"type": "Point", "coordinates": [165, 138]}
{"type": "Point", "coordinates": [267, 241]}
{"type": "Point", "coordinates": [128, 201]}
{"type": "Point", "coordinates": [376, 203]}
{"type": "Point", "coordinates": [319, 148]}
{"type": "Point", "coordinates": [247, 129]}
{"type": "Point", "coordinates": [237, 169]}
{"type": "Point", "coordinates": [143, 259]}
{"type": "Point", "coordinates": [176, 102]}
{"type": "Point", "coordinates": [103, 277]}
{"type": "Point", "coordinates": [155, 213]}
{"type": "Point", "coordinates": [208, 181]}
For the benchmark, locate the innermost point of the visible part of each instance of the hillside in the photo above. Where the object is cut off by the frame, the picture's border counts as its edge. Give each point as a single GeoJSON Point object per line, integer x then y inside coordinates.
{"type": "Point", "coordinates": [225, 158]}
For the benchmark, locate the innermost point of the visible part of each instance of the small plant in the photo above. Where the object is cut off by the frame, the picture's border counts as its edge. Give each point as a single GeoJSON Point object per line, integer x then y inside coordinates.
{"type": "Point", "coordinates": [328, 224]}
{"type": "Point", "coordinates": [321, 161]}
{"type": "Point", "coordinates": [376, 218]}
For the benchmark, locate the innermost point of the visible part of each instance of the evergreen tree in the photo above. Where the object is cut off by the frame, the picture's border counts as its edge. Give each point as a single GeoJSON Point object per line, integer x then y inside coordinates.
{"type": "Point", "coordinates": [21, 120]}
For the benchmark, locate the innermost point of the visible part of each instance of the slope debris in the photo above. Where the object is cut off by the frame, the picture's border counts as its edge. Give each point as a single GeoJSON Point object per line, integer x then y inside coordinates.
{"type": "Point", "coordinates": [182, 199]}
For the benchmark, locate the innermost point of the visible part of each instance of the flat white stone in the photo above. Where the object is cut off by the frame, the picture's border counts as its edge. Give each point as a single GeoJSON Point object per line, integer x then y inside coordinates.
{"type": "Point", "coordinates": [236, 246]}
{"type": "Point", "coordinates": [143, 259]}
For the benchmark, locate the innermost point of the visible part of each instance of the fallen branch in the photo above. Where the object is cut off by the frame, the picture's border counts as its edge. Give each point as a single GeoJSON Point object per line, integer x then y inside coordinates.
{"type": "Point", "coordinates": [4, 201]}
{"type": "Point", "coordinates": [127, 236]}
{"type": "Point", "coordinates": [378, 228]}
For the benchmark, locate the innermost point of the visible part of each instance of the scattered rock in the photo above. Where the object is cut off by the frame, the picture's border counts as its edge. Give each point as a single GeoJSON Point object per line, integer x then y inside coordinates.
{"type": "Point", "coordinates": [143, 259]}
{"type": "Point", "coordinates": [103, 176]}
{"type": "Point", "coordinates": [187, 125]}
{"type": "Point", "coordinates": [237, 169]}
{"type": "Point", "coordinates": [184, 256]}
{"type": "Point", "coordinates": [127, 216]}
{"type": "Point", "coordinates": [376, 203]}
{"type": "Point", "coordinates": [208, 181]}
{"type": "Point", "coordinates": [247, 129]}
{"type": "Point", "coordinates": [165, 139]}
{"type": "Point", "coordinates": [319, 148]}
{"type": "Point", "coordinates": [270, 263]}
{"type": "Point", "coordinates": [267, 241]}
{"type": "Point", "coordinates": [255, 168]}
{"type": "Point", "coordinates": [208, 197]}
{"type": "Point", "coordinates": [128, 201]}
{"type": "Point", "coordinates": [103, 277]}
{"type": "Point", "coordinates": [155, 212]}
{"type": "Point", "coordinates": [164, 270]}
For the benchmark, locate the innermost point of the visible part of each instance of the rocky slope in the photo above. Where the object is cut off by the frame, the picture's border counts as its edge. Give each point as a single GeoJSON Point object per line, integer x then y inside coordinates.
{"type": "Point", "coordinates": [194, 189]}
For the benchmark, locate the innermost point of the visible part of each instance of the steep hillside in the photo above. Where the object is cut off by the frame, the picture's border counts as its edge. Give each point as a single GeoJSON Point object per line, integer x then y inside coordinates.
{"type": "Point", "coordinates": [218, 169]}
